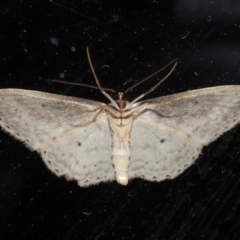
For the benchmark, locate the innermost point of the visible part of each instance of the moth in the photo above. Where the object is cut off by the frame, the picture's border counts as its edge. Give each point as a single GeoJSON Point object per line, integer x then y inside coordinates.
{"type": "Point", "coordinates": [93, 142]}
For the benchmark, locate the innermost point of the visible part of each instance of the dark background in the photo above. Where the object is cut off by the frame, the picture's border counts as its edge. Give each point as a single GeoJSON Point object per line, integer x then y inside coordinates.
{"type": "Point", "coordinates": [128, 40]}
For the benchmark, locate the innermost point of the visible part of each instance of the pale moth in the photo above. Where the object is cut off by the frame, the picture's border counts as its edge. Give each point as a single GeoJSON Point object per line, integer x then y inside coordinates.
{"type": "Point", "coordinates": [93, 142]}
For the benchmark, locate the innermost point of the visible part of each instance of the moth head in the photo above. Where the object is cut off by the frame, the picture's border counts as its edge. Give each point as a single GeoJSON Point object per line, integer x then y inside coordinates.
{"type": "Point", "coordinates": [120, 102]}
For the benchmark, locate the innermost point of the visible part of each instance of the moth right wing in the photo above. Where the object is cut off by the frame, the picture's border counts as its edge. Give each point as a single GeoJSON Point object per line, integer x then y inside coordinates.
{"type": "Point", "coordinates": [72, 134]}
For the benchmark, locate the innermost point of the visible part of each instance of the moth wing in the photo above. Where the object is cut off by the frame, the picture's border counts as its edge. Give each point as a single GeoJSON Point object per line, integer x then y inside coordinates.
{"type": "Point", "coordinates": [71, 134]}
{"type": "Point", "coordinates": [159, 151]}
{"type": "Point", "coordinates": [169, 132]}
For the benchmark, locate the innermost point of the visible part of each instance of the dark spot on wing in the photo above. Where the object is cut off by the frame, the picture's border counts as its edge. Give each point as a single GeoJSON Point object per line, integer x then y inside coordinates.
{"type": "Point", "coordinates": [43, 105]}
{"type": "Point", "coordinates": [162, 140]}
{"type": "Point", "coordinates": [188, 136]}
{"type": "Point", "coordinates": [79, 144]}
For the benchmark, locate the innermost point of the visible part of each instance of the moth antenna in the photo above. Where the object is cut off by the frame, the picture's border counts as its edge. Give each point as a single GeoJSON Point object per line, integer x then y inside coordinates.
{"type": "Point", "coordinates": [152, 88]}
{"type": "Point", "coordinates": [98, 82]}
{"type": "Point", "coordinates": [153, 74]}
{"type": "Point", "coordinates": [84, 85]}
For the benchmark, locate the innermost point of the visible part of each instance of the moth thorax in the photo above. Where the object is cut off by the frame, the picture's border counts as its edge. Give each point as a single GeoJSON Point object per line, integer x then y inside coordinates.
{"type": "Point", "coordinates": [121, 126]}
